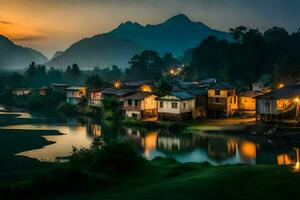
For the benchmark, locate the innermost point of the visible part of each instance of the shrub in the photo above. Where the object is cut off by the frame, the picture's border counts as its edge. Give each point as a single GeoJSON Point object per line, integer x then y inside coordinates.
{"type": "Point", "coordinates": [117, 157]}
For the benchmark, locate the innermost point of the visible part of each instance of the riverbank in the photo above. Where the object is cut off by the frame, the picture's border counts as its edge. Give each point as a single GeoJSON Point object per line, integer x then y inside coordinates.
{"type": "Point", "coordinates": [13, 142]}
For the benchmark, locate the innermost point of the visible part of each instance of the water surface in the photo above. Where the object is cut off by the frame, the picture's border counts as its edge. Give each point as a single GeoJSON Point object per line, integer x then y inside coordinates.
{"type": "Point", "coordinates": [216, 148]}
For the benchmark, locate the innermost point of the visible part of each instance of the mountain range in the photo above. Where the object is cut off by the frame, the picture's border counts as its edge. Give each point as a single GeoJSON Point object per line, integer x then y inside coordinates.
{"type": "Point", "coordinates": [117, 47]}
{"type": "Point", "coordinates": [175, 35]}
{"type": "Point", "coordinates": [13, 56]}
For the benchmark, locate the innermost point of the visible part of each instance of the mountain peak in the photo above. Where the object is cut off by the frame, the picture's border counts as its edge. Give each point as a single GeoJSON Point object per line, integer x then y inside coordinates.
{"type": "Point", "coordinates": [129, 25]}
{"type": "Point", "coordinates": [179, 18]}
{"type": "Point", "coordinates": [5, 41]}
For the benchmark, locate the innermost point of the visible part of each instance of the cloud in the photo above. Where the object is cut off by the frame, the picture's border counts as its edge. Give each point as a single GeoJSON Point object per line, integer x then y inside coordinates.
{"type": "Point", "coordinates": [5, 22]}
{"type": "Point", "coordinates": [28, 38]}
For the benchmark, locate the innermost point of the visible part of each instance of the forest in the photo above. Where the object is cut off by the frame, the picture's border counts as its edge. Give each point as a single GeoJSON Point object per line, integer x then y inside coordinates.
{"type": "Point", "coordinates": [250, 55]}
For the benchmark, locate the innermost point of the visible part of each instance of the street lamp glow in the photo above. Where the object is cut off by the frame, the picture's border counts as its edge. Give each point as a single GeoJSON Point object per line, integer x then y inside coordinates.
{"type": "Point", "coordinates": [297, 100]}
{"type": "Point", "coordinates": [117, 84]}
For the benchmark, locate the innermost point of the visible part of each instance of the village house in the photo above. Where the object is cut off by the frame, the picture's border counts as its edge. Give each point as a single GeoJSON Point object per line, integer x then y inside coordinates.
{"type": "Point", "coordinates": [141, 105]}
{"type": "Point", "coordinates": [176, 106]}
{"type": "Point", "coordinates": [200, 95]}
{"type": "Point", "coordinates": [42, 91]}
{"type": "Point", "coordinates": [247, 102]}
{"type": "Point", "coordinates": [142, 86]}
{"type": "Point", "coordinates": [118, 94]}
{"type": "Point", "coordinates": [20, 91]}
{"type": "Point", "coordinates": [222, 100]}
{"type": "Point", "coordinates": [59, 87]}
{"type": "Point", "coordinates": [75, 94]}
{"type": "Point", "coordinates": [281, 103]}
{"type": "Point", "coordinates": [95, 97]}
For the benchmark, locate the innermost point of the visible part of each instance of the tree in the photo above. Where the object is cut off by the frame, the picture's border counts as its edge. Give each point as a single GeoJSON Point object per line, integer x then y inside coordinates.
{"type": "Point", "coordinates": [164, 87]}
{"type": "Point", "coordinates": [116, 73]}
{"type": "Point", "coordinates": [110, 108]}
{"type": "Point", "coordinates": [146, 66]}
{"type": "Point", "coordinates": [238, 33]}
{"type": "Point", "coordinates": [74, 70]}
{"type": "Point", "coordinates": [169, 61]}
{"type": "Point", "coordinates": [94, 82]}
{"type": "Point", "coordinates": [208, 58]}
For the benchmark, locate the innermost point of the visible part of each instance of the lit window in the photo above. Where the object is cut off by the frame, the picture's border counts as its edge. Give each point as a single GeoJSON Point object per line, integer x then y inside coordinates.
{"type": "Point", "coordinates": [217, 92]}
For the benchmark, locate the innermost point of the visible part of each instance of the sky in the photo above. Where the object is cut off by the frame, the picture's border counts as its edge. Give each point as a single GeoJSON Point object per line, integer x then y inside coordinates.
{"type": "Point", "coordinates": [53, 25]}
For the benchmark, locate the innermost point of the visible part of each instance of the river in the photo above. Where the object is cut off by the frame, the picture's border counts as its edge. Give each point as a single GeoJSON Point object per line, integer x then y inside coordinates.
{"type": "Point", "coordinates": [215, 148]}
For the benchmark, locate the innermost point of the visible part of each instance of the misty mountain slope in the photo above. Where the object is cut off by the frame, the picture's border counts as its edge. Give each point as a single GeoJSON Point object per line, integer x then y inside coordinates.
{"type": "Point", "coordinates": [13, 56]}
{"type": "Point", "coordinates": [175, 35]}
{"type": "Point", "coordinates": [101, 50]}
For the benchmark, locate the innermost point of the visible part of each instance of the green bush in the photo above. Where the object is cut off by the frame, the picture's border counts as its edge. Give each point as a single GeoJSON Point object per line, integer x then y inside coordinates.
{"type": "Point", "coordinates": [115, 157]}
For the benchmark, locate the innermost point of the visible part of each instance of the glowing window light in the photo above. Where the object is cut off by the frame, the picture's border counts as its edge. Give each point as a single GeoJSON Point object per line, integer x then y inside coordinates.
{"type": "Point", "coordinates": [281, 85]}
{"type": "Point", "coordinates": [146, 88]}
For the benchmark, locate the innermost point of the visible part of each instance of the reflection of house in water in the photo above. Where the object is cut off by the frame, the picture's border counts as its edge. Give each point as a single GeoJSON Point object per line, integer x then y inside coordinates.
{"type": "Point", "coordinates": [271, 156]}
{"type": "Point", "coordinates": [93, 130]}
{"type": "Point", "coordinates": [149, 142]}
{"type": "Point", "coordinates": [247, 151]}
{"type": "Point", "coordinates": [291, 158]}
{"type": "Point", "coordinates": [221, 148]}
{"type": "Point", "coordinates": [178, 142]}
{"type": "Point", "coordinates": [225, 148]}
{"type": "Point", "coordinates": [146, 141]}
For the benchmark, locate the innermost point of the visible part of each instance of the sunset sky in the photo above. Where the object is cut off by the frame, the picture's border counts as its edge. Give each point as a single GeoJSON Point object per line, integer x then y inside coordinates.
{"type": "Point", "coordinates": [51, 25]}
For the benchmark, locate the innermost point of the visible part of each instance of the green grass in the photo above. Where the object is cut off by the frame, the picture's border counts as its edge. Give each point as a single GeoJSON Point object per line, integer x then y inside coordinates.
{"type": "Point", "coordinates": [201, 181]}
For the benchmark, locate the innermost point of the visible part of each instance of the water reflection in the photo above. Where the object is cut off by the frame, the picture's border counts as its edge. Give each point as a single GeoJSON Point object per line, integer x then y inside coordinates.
{"type": "Point", "coordinates": [73, 136]}
{"type": "Point", "coordinates": [218, 149]}
{"type": "Point", "coordinates": [22, 115]}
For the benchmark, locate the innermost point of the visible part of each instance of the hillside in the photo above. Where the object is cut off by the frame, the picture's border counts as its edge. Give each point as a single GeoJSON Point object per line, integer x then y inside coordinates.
{"type": "Point", "coordinates": [117, 47]}
{"type": "Point", "coordinates": [13, 56]}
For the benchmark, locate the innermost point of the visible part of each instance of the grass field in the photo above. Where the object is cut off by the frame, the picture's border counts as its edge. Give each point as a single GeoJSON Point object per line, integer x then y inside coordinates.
{"type": "Point", "coordinates": [165, 179]}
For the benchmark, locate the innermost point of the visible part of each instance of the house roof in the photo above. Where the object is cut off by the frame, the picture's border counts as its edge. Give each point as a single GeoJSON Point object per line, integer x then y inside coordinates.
{"type": "Point", "coordinates": [288, 92]}
{"type": "Point", "coordinates": [251, 94]}
{"type": "Point", "coordinates": [60, 85]}
{"type": "Point", "coordinates": [117, 92]}
{"type": "Point", "coordinates": [75, 88]}
{"type": "Point", "coordinates": [134, 83]}
{"type": "Point", "coordinates": [187, 84]}
{"type": "Point", "coordinates": [139, 95]}
{"type": "Point", "coordinates": [94, 90]}
{"type": "Point", "coordinates": [20, 89]}
{"type": "Point", "coordinates": [208, 81]}
{"type": "Point", "coordinates": [220, 86]}
{"type": "Point", "coordinates": [181, 95]}
{"type": "Point", "coordinates": [197, 92]}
